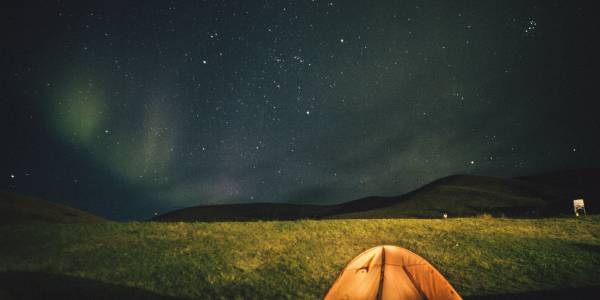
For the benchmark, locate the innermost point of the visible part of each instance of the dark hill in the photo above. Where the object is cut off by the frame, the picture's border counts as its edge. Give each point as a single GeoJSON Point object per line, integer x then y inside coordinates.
{"type": "Point", "coordinates": [458, 195]}
{"type": "Point", "coordinates": [16, 208]}
{"type": "Point", "coordinates": [583, 182]}
{"type": "Point", "coordinates": [466, 195]}
{"type": "Point", "coordinates": [245, 212]}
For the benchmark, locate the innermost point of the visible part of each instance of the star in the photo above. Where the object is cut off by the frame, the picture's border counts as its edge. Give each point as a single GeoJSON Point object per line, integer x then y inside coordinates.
{"type": "Point", "coordinates": [397, 104]}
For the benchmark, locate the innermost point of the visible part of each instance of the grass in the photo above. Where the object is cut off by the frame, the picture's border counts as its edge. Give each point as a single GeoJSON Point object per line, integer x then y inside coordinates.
{"type": "Point", "coordinates": [301, 259]}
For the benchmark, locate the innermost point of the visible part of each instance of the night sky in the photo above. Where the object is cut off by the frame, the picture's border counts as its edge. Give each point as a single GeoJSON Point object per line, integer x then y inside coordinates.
{"type": "Point", "coordinates": [127, 108]}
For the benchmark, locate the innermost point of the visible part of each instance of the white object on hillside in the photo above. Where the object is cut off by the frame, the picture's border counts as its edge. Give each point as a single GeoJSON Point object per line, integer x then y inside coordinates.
{"type": "Point", "coordinates": [578, 206]}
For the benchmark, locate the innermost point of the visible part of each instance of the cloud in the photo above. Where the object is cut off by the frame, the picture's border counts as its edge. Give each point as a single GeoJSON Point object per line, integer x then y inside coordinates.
{"type": "Point", "coordinates": [78, 112]}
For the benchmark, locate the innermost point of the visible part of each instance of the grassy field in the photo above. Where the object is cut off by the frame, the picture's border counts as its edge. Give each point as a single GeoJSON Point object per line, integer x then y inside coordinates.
{"type": "Point", "coordinates": [289, 259]}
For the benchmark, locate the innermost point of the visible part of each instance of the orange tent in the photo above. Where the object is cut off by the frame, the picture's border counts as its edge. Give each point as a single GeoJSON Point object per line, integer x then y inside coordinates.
{"type": "Point", "coordinates": [390, 272]}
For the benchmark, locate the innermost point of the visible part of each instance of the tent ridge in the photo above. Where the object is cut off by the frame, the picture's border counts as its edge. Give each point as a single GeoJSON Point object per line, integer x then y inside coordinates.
{"type": "Point", "coordinates": [382, 275]}
{"type": "Point", "coordinates": [389, 264]}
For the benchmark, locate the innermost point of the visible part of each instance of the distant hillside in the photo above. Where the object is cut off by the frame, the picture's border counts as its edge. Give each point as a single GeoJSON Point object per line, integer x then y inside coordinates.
{"type": "Point", "coordinates": [245, 212]}
{"type": "Point", "coordinates": [465, 195]}
{"type": "Point", "coordinates": [584, 182]}
{"type": "Point", "coordinates": [16, 208]}
{"type": "Point", "coordinates": [459, 195]}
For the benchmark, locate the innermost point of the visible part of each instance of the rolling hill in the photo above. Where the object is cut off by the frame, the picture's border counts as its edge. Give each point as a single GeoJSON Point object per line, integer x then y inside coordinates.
{"type": "Point", "coordinates": [548, 194]}
{"type": "Point", "coordinates": [16, 208]}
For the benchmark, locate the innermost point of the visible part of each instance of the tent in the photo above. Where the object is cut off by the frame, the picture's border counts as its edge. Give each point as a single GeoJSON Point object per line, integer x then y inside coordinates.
{"type": "Point", "coordinates": [390, 272]}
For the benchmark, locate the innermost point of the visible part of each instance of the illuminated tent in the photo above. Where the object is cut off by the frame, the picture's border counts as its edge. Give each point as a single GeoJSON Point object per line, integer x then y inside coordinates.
{"type": "Point", "coordinates": [390, 272]}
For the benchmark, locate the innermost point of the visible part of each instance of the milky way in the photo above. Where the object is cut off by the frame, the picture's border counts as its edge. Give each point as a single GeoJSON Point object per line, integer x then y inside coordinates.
{"type": "Point", "coordinates": [129, 109]}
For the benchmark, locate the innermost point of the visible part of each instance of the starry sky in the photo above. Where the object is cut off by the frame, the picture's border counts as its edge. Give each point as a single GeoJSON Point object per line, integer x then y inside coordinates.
{"type": "Point", "coordinates": [130, 108]}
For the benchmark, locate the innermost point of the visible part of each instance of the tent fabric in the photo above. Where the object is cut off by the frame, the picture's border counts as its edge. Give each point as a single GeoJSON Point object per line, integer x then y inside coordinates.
{"type": "Point", "coordinates": [390, 272]}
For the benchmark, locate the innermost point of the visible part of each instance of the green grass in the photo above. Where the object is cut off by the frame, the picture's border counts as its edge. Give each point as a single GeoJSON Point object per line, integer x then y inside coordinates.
{"type": "Point", "coordinates": [301, 259]}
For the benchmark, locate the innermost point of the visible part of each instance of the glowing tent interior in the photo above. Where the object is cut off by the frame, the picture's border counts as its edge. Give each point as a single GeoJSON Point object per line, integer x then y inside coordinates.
{"type": "Point", "coordinates": [390, 272]}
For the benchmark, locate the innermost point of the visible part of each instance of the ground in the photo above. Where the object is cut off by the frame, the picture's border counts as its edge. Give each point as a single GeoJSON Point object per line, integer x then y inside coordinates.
{"type": "Point", "coordinates": [481, 256]}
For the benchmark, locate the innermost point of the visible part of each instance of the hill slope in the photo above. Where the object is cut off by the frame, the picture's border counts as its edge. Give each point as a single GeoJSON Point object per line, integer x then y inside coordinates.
{"type": "Point", "coordinates": [459, 195]}
{"type": "Point", "coordinates": [16, 208]}
{"type": "Point", "coordinates": [583, 182]}
{"type": "Point", "coordinates": [245, 212]}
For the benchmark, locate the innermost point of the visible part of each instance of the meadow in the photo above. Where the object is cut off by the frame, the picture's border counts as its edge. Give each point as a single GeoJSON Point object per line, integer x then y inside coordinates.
{"type": "Point", "coordinates": [289, 259]}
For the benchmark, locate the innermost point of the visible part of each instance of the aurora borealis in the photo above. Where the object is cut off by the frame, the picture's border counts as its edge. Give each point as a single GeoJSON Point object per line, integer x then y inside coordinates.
{"type": "Point", "coordinates": [127, 108]}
